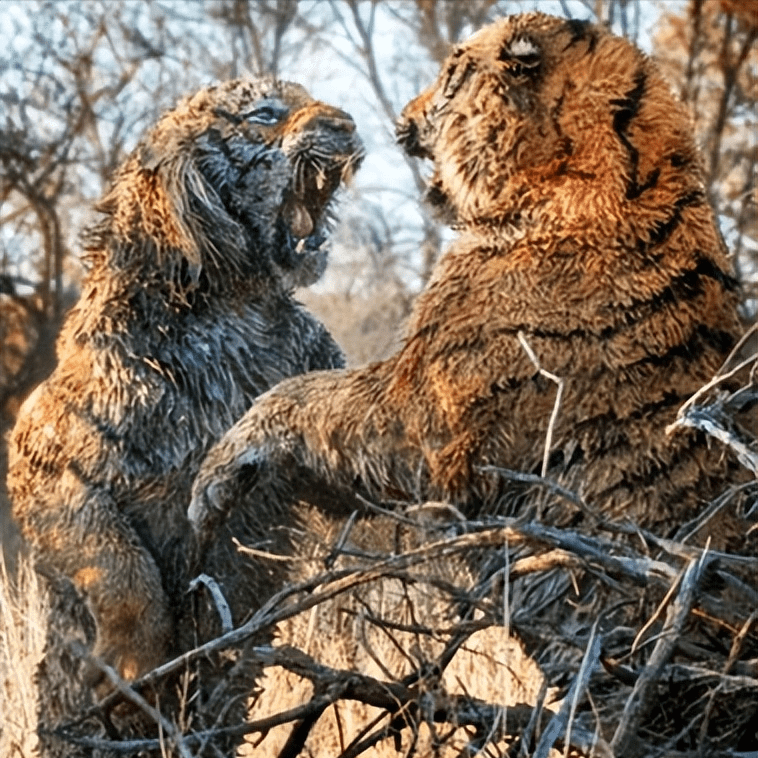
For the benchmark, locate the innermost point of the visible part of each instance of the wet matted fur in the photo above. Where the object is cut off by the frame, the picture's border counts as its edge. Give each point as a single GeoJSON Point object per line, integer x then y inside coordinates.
{"type": "Point", "coordinates": [186, 315]}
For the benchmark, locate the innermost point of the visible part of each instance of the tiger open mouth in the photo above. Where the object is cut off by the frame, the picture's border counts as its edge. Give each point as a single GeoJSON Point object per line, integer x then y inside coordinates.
{"type": "Point", "coordinates": [307, 207]}
{"type": "Point", "coordinates": [316, 180]}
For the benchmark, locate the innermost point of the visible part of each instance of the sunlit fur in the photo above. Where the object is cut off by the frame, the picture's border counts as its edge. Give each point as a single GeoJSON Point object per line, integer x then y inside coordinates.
{"type": "Point", "coordinates": [185, 316]}
{"type": "Point", "coordinates": [584, 236]}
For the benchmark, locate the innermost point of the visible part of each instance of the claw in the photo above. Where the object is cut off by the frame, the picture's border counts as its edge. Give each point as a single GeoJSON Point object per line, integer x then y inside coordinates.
{"type": "Point", "coordinates": [215, 488]}
{"type": "Point", "coordinates": [206, 503]}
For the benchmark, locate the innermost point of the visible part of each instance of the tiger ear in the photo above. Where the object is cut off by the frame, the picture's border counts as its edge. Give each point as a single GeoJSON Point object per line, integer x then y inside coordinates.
{"type": "Point", "coordinates": [521, 56]}
{"type": "Point", "coordinates": [149, 158]}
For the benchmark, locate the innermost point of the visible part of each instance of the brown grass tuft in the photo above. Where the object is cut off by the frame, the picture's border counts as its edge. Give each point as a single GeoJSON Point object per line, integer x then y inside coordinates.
{"type": "Point", "coordinates": [23, 618]}
{"type": "Point", "coordinates": [367, 326]}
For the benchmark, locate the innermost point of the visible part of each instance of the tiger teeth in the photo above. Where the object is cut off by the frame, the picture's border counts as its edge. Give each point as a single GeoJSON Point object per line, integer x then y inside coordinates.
{"type": "Point", "coordinates": [300, 246]}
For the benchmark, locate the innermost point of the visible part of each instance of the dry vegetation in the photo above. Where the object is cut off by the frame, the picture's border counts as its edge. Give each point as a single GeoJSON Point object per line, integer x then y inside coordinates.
{"type": "Point", "coordinates": [388, 645]}
{"type": "Point", "coordinates": [23, 619]}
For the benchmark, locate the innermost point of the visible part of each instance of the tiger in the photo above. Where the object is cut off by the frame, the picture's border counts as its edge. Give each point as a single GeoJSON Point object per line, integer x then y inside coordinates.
{"type": "Point", "coordinates": [187, 314]}
{"type": "Point", "coordinates": [586, 295]}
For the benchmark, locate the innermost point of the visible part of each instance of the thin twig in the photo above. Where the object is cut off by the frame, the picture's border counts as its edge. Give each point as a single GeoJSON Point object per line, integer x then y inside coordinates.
{"type": "Point", "coordinates": [341, 540]}
{"type": "Point", "coordinates": [692, 527]}
{"type": "Point", "coordinates": [657, 613]}
{"type": "Point", "coordinates": [715, 421]}
{"type": "Point", "coordinates": [133, 747]}
{"type": "Point", "coordinates": [528, 733]}
{"type": "Point", "coordinates": [556, 405]}
{"type": "Point", "coordinates": [264, 554]}
{"type": "Point", "coordinates": [549, 484]}
{"type": "Point", "coordinates": [561, 722]}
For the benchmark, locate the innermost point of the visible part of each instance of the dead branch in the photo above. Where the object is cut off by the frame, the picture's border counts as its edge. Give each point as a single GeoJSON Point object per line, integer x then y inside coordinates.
{"type": "Point", "coordinates": [122, 687]}
{"type": "Point", "coordinates": [593, 552]}
{"type": "Point", "coordinates": [640, 699]}
{"type": "Point", "coordinates": [561, 722]}
{"type": "Point", "coordinates": [423, 698]}
{"type": "Point", "coordinates": [715, 420]}
{"type": "Point", "coordinates": [420, 698]}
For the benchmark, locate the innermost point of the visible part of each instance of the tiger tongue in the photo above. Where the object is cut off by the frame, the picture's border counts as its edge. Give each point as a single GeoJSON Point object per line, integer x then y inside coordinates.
{"type": "Point", "coordinates": [298, 219]}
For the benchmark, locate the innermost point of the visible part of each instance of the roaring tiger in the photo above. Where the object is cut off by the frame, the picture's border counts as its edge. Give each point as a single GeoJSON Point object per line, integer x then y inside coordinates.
{"type": "Point", "coordinates": [186, 315]}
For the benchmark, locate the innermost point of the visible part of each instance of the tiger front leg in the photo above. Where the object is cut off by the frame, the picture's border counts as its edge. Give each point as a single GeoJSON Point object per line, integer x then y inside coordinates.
{"type": "Point", "coordinates": [321, 437]}
{"type": "Point", "coordinates": [103, 558]}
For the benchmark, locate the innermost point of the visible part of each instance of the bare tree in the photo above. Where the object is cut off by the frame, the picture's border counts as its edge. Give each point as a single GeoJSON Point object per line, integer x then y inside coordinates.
{"type": "Point", "coordinates": [710, 52]}
{"type": "Point", "coordinates": [61, 131]}
{"type": "Point", "coordinates": [256, 31]}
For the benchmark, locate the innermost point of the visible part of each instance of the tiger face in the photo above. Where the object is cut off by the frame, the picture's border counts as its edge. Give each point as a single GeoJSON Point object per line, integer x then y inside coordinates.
{"type": "Point", "coordinates": [239, 180]}
{"type": "Point", "coordinates": [536, 118]}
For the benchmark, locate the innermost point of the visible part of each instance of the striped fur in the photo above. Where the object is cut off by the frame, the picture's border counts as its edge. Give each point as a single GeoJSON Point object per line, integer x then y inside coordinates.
{"type": "Point", "coordinates": [585, 246]}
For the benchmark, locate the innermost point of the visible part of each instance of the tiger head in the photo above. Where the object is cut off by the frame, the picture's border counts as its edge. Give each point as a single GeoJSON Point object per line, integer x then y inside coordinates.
{"type": "Point", "coordinates": [549, 123]}
{"type": "Point", "coordinates": [237, 183]}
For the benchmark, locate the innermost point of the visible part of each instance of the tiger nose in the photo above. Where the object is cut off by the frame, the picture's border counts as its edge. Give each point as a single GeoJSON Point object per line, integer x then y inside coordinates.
{"type": "Point", "coordinates": [412, 128]}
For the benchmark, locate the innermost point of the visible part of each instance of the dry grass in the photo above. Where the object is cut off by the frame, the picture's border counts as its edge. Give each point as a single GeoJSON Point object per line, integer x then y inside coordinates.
{"type": "Point", "coordinates": [390, 629]}
{"type": "Point", "coordinates": [23, 614]}
{"type": "Point", "coordinates": [492, 666]}
{"type": "Point", "coordinates": [366, 326]}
